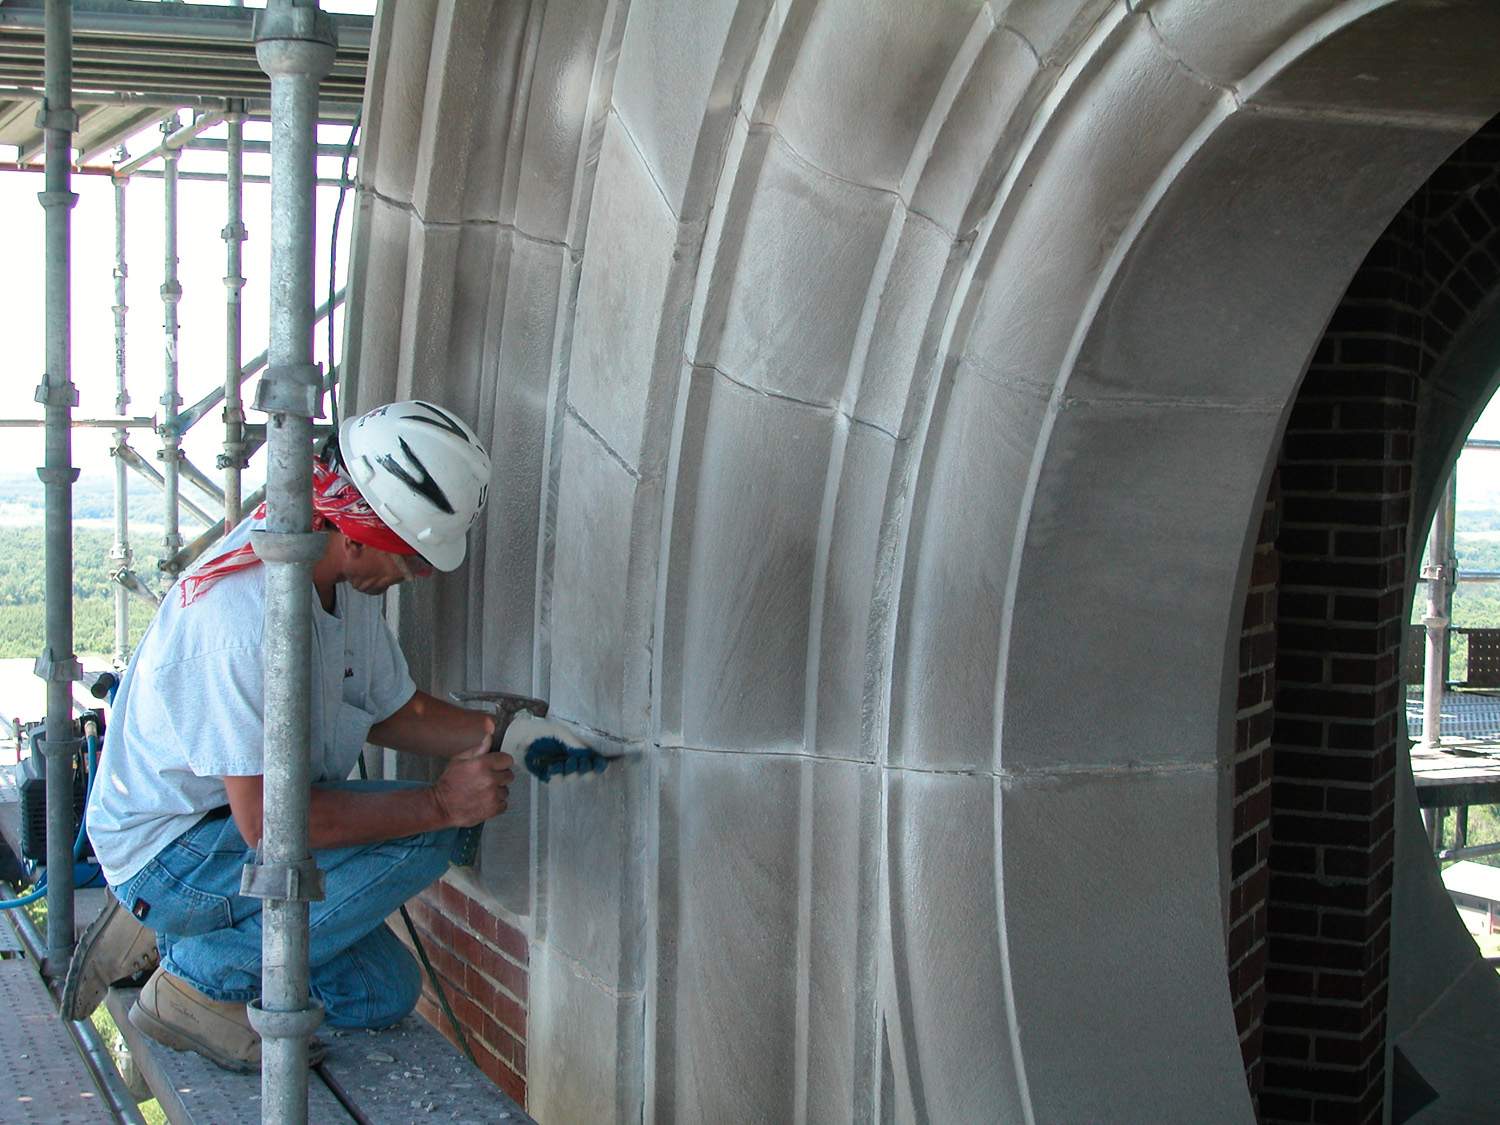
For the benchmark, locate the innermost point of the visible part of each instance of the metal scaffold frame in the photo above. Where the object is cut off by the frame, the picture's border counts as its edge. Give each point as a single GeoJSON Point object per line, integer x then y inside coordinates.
{"type": "Point", "coordinates": [242, 439]}
{"type": "Point", "coordinates": [295, 45]}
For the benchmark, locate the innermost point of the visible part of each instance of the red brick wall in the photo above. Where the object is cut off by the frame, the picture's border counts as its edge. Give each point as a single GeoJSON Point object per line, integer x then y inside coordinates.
{"type": "Point", "coordinates": [1346, 473]}
{"type": "Point", "coordinates": [482, 962]}
{"type": "Point", "coordinates": [1249, 872]}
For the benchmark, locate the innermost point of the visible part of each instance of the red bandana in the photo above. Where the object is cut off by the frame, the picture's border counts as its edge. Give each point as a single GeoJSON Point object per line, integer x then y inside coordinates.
{"type": "Point", "coordinates": [336, 503]}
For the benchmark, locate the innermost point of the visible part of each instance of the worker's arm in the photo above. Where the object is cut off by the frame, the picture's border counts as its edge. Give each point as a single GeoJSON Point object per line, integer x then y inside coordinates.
{"type": "Point", "coordinates": [474, 786]}
{"type": "Point", "coordinates": [425, 724]}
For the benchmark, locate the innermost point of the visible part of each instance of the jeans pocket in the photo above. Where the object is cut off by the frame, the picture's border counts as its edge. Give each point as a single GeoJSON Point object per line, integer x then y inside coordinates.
{"type": "Point", "coordinates": [170, 906]}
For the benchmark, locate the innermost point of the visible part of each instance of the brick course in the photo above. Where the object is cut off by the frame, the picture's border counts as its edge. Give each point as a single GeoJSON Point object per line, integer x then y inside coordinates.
{"type": "Point", "coordinates": [1345, 480]}
{"type": "Point", "coordinates": [482, 962]}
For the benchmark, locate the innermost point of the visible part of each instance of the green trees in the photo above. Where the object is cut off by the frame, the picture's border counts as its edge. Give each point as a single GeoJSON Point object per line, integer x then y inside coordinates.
{"type": "Point", "coordinates": [22, 595]}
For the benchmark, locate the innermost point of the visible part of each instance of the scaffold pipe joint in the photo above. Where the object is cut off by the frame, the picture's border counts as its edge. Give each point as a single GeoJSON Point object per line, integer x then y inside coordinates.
{"type": "Point", "coordinates": [49, 393]}
{"type": "Point", "coordinates": [53, 670]}
{"type": "Point", "coordinates": [295, 388]}
{"type": "Point", "coordinates": [289, 546]}
{"type": "Point", "coordinates": [284, 882]}
{"type": "Point", "coordinates": [65, 119]}
{"type": "Point", "coordinates": [285, 1025]}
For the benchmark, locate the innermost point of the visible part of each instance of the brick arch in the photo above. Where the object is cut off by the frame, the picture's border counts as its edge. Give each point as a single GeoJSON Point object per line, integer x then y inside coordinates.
{"type": "Point", "coordinates": [1374, 427]}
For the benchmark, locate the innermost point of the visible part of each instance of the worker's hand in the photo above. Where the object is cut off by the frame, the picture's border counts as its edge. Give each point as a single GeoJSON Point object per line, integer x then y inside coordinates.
{"type": "Point", "coordinates": [475, 785]}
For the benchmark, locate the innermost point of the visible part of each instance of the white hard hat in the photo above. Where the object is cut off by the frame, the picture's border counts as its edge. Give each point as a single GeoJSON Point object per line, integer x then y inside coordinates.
{"type": "Point", "coordinates": [423, 471]}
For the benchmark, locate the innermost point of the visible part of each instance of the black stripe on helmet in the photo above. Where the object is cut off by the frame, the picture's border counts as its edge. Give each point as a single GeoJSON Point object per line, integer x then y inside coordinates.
{"type": "Point", "coordinates": [424, 486]}
{"type": "Point", "coordinates": [443, 421]}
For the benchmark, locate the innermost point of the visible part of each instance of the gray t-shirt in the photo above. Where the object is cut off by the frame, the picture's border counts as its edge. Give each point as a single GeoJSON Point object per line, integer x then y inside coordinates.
{"type": "Point", "coordinates": [189, 709]}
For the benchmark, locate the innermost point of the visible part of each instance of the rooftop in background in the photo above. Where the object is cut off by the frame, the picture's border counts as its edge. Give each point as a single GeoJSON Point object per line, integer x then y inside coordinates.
{"type": "Point", "coordinates": [135, 58]}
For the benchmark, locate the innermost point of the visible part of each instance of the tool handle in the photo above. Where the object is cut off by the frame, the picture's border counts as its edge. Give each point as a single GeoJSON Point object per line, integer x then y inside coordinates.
{"type": "Point", "coordinates": [505, 708]}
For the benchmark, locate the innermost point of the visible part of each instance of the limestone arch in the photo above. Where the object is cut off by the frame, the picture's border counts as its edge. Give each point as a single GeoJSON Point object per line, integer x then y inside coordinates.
{"type": "Point", "coordinates": [748, 325]}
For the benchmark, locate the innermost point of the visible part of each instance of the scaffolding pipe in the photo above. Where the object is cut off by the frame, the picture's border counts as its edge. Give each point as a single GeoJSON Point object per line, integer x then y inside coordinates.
{"type": "Point", "coordinates": [120, 553]}
{"type": "Point", "coordinates": [173, 140]}
{"type": "Point", "coordinates": [294, 44]}
{"type": "Point", "coordinates": [194, 549]}
{"type": "Point", "coordinates": [232, 460]}
{"type": "Point", "coordinates": [1438, 572]}
{"type": "Point", "coordinates": [58, 665]}
{"type": "Point", "coordinates": [201, 480]}
{"type": "Point", "coordinates": [171, 295]}
{"type": "Point", "coordinates": [135, 461]}
{"type": "Point", "coordinates": [190, 417]}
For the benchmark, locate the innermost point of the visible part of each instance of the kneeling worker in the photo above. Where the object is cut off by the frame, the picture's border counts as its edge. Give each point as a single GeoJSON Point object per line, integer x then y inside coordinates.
{"type": "Point", "coordinates": [175, 812]}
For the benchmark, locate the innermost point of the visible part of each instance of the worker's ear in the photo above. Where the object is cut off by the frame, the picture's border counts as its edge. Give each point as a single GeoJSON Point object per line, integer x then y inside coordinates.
{"type": "Point", "coordinates": [353, 547]}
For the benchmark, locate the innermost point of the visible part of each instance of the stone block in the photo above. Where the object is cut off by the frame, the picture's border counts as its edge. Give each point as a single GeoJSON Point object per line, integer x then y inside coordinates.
{"type": "Point", "coordinates": [1126, 604]}
{"type": "Point", "coordinates": [385, 239]}
{"type": "Point", "coordinates": [842, 839]}
{"type": "Point", "coordinates": [845, 651]}
{"type": "Point", "coordinates": [673, 82]}
{"type": "Point", "coordinates": [1225, 44]}
{"type": "Point", "coordinates": [589, 618]}
{"type": "Point", "coordinates": [745, 572]}
{"type": "Point", "coordinates": [1088, 177]}
{"type": "Point", "coordinates": [865, 83]}
{"type": "Point", "coordinates": [1401, 59]}
{"type": "Point", "coordinates": [1266, 199]}
{"type": "Point", "coordinates": [1115, 938]}
{"type": "Point", "coordinates": [971, 150]}
{"type": "Point", "coordinates": [793, 274]}
{"type": "Point", "coordinates": [952, 1004]}
{"type": "Point", "coordinates": [401, 55]}
{"type": "Point", "coordinates": [471, 86]}
{"type": "Point", "coordinates": [1054, 30]}
{"type": "Point", "coordinates": [558, 117]}
{"type": "Point", "coordinates": [732, 824]}
{"type": "Point", "coordinates": [737, 829]}
{"type": "Point", "coordinates": [516, 384]}
{"type": "Point", "coordinates": [593, 851]}
{"type": "Point", "coordinates": [583, 1061]}
{"type": "Point", "coordinates": [965, 520]}
{"type": "Point", "coordinates": [902, 335]}
{"type": "Point", "coordinates": [630, 256]}
{"type": "Point", "coordinates": [445, 314]}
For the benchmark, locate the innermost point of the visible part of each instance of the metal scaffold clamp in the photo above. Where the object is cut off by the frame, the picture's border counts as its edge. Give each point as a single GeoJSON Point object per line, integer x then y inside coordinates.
{"type": "Point", "coordinates": [283, 882]}
{"type": "Point", "coordinates": [64, 119]}
{"type": "Point", "coordinates": [295, 388]}
{"type": "Point", "coordinates": [285, 1025]}
{"type": "Point", "coordinates": [49, 393]}
{"type": "Point", "coordinates": [295, 40]}
{"type": "Point", "coordinates": [48, 667]}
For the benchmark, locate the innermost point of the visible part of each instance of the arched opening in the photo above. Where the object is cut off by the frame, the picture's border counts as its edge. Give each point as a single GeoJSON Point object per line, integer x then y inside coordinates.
{"type": "Point", "coordinates": [1367, 991]}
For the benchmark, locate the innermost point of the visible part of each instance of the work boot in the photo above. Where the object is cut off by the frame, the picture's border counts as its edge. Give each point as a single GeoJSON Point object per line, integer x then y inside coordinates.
{"type": "Point", "coordinates": [177, 1015]}
{"type": "Point", "coordinates": [114, 946]}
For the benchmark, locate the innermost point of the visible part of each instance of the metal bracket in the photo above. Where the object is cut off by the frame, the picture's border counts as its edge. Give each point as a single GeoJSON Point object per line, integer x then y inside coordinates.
{"type": "Point", "coordinates": [285, 1025]}
{"type": "Point", "coordinates": [170, 291]}
{"type": "Point", "coordinates": [57, 476]}
{"type": "Point", "coordinates": [295, 388]}
{"type": "Point", "coordinates": [234, 231]}
{"type": "Point", "coordinates": [284, 882]}
{"type": "Point", "coordinates": [49, 668]}
{"type": "Point", "coordinates": [56, 118]}
{"type": "Point", "coordinates": [59, 747]}
{"type": "Point", "coordinates": [289, 546]}
{"type": "Point", "coordinates": [49, 393]}
{"type": "Point", "coordinates": [51, 199]}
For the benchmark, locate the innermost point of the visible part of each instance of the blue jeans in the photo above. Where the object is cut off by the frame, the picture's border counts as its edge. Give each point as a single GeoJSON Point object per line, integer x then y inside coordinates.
{"type": "Point", "coordinates": [210, 935]}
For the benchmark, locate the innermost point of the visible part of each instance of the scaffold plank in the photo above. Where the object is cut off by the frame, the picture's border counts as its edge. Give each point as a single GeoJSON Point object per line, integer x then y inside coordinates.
{"type": "Point", "coordinates": [48, 1081]}
{"type": "Point", "coordinates": [411, 1073]}
{"type": "Point", "coordinates": [193, 1091]}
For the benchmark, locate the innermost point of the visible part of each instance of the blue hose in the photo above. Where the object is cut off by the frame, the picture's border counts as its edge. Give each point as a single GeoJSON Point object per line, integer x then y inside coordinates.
{"type": "Point", "coordinates": [84, 874]}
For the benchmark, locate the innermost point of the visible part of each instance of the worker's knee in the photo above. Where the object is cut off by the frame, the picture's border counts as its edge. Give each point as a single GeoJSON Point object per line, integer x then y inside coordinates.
{"type": "Point", "coordinates": [374, 984]}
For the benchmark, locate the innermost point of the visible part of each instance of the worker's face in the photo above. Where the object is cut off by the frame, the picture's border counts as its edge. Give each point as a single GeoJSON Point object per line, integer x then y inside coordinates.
{"type": "Point", "coordinates": [372, 571]}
